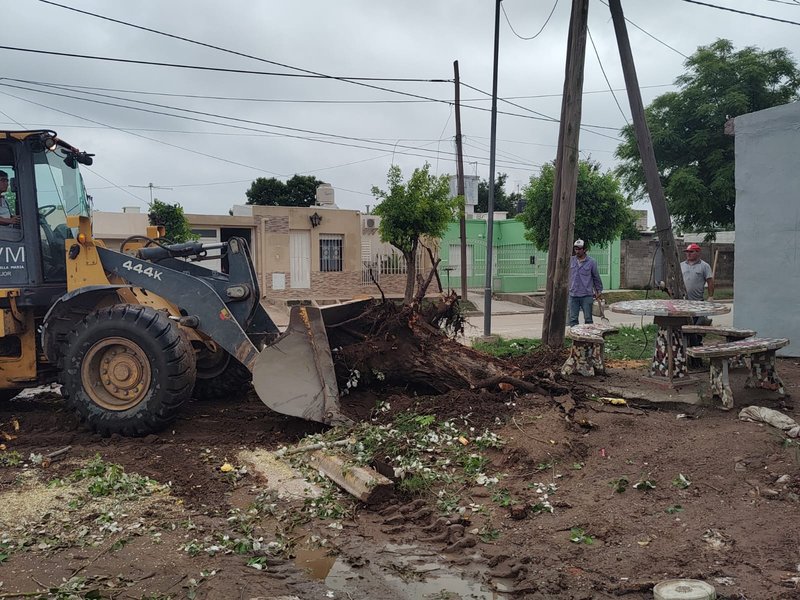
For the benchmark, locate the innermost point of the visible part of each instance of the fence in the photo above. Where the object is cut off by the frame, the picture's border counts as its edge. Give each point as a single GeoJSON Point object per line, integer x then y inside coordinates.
{"type": "Point", "coordinates": [386, 264]}
{"type": "Point", "coordinates": [516, 267]}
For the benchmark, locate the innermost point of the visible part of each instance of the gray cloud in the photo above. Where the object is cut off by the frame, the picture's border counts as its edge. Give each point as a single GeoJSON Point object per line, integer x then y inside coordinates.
{"type": "Point", "coordinates": [409, 39]}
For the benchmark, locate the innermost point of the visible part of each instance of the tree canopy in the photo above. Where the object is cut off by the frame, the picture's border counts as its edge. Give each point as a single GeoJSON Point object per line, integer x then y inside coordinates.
{"type": "Point", "coordinates": [694, 155]}
{"type": "Point", "coordinates": [502, 201]}
{"type": "Point", "coordinates": [300, 190]}
{"type": "Point", "coordinates": [172, 218]}
{"type": "Point", "coordinates": [601, 210]}
{"type": "Point", "coordinates": [409, 210]}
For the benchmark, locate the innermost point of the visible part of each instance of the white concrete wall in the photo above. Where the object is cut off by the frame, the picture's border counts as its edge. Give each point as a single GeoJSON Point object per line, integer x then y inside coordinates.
{"type": "Point", "coordinates": [767, 266]}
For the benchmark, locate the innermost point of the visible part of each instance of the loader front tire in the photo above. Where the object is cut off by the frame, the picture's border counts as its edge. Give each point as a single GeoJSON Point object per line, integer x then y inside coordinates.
{"type": "Point", "coordinates": [127, 369]}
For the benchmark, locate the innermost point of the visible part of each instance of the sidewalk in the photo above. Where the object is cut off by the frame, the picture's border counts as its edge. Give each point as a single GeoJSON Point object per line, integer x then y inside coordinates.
{"type": "Point", "coordinates": [500, 307]}
{"type": "Point", "coordinates": [528, 324]}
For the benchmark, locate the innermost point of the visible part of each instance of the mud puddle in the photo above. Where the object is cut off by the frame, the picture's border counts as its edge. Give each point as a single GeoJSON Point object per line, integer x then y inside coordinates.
{"type": "Point", "coordinates": [395, 571]}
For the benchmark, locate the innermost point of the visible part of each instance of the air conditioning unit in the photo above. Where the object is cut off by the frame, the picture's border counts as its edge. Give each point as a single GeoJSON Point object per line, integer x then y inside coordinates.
{"type": "Point", "coordinates": [370, 223]}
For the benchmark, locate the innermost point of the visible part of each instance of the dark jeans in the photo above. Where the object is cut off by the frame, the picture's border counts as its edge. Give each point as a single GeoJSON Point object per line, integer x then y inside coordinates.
{"type": "Point", "coordinates": [577, 304]}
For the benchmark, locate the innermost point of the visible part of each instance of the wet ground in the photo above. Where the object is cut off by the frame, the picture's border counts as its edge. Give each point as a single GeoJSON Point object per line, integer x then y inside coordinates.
{"type": "Point", "coordinates": [705, 496]}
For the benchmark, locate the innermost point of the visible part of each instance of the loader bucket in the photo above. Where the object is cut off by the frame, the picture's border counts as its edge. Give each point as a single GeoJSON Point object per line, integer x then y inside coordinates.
{"type": "Point", "coordinates": [295, 375]}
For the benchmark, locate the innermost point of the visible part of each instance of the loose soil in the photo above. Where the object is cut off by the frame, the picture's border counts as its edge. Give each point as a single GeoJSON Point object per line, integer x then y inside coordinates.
{"type": "Point", "coordinates": [736, 525]}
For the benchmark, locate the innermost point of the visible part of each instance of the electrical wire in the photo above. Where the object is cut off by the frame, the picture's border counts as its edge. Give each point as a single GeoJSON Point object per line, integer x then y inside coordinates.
{"type": "Point", "coordinates": [543, 117]}
{"type": "Point", "coordinates": [355, 81]}
{"type": "Point", "coordinates": [235, 119]}
{"type": "Point", "coordinates": [535, 35]}
{"type": "Point", "coordinates": [600, 62]}
{"type": "Point", "coordinates": [306, 101]}
{"type": "Point", "coordinates": [220, 69]}
{"type": "Point", "coordinates": [743, 12]}
{"type": "Point", "coordinates": [405, 151]}
{"type": "Point", "coordinates": [647, 33]}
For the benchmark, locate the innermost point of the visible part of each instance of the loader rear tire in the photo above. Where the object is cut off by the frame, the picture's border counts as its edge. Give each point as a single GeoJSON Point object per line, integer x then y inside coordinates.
{"type": "Point", "coordinates": [127, 369]}
{"type": "Point", "coordinates": [219, 375]}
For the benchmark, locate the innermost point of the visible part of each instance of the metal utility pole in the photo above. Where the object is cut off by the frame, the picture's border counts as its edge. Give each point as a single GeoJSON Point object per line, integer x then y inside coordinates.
{"type": "Point", "coordinates": [487, 290]}
{"type": "Point", "coordinates": [562, 219]}
{"type": "Point", "coordinates": [672, 261]}
{"type": "Point", "coordinates": [151, 187]}
{"type": "Point", "coordinates": [460, 187]}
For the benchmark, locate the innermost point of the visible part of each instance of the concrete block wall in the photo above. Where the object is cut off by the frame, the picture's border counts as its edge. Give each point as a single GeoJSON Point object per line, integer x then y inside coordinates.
{"type": "Point", "coordinates": [637, 263]}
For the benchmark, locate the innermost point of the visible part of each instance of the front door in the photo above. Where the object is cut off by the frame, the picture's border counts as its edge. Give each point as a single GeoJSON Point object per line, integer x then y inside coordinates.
{"type": "Point", "coordinates": [300, 258]}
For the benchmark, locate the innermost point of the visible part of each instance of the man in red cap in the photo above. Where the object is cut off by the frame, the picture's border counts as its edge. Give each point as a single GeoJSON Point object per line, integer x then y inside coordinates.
{"type": "Point", "coordinates": [696, 274]}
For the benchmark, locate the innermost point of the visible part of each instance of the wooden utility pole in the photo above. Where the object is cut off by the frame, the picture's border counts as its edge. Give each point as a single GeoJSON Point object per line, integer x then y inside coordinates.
{"type": "Point", "coordinates": [487, 289]}
{"type": "Point", "coordinates": [566, 181]}
{"type": "Point", "coordinates": [460, 184]}
{"type": "Point", "coordinates": [674, 277]}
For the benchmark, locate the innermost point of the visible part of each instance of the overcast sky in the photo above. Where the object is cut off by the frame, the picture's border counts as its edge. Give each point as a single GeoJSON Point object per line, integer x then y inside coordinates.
{"type": "Point", "coordinates": [249, 125]}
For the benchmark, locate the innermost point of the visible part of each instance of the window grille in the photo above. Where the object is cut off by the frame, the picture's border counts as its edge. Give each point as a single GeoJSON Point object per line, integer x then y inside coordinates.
{"type": "Point", "coordinates": [331, 246]}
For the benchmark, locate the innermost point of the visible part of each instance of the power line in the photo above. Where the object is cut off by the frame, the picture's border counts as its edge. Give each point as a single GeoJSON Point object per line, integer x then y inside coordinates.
{"type": "Point", "coordinates": [306, 101]}
{"type": "Point", "coordinates": [541, 116]}
{"type": "Point", "coordinates": [544, 117]}
{"type": "Point", "coordinates": [647, 33]}
{"type": "Point", "coordinates": [208, 114]}
{"type": "Point", "coordinates": [743, 12]}
{"type": "Point", "coordinates": [535, 35]}
{"type": "Point", "coordinates": [403, 151]}
{"type": "Point", "coordinates": [355, 81]}
{"type": "Point", "coordinates": [125, 131]}
{"type": "Point", "coordinates": [600, 62]}
{"type": "Point", "coordinates": [224, 70]}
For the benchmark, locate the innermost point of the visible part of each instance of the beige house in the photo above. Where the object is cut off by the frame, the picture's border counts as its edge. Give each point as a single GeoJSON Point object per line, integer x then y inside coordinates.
{"type": "Point", "coordinates": [316, 253]}
{"type": "Point", "coordinates": [114, 228]}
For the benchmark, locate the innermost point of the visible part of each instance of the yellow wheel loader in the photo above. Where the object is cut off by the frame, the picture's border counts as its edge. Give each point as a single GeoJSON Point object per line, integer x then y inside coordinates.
{"type": "Point", "coordinates": [132, 334]}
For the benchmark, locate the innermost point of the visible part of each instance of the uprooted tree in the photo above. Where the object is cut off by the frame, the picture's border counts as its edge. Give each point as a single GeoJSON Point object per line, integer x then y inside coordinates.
{"type": "Point", "coordinates": [410, 210]}
{"type": "Point", "coordinates": [408, 346]}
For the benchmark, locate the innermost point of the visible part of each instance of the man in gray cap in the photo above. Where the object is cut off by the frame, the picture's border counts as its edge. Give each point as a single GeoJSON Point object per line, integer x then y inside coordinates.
{"type": "Point", "coordinates": [6, 218]}
{"type": "Point", "coordinates": [584, 284]}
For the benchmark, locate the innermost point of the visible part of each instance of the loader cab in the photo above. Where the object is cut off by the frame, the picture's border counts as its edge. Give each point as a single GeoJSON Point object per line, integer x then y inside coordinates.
{"type": "Point", "coordinates": [44, 187]}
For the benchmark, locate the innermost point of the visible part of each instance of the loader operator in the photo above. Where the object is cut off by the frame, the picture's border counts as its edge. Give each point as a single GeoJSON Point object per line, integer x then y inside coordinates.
{"type": "Point", "coordinates": [6, 218]}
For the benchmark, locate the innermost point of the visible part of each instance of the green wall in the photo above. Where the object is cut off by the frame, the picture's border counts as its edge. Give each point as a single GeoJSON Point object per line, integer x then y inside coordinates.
{"type": "Point", "coordinates": [518, 266]}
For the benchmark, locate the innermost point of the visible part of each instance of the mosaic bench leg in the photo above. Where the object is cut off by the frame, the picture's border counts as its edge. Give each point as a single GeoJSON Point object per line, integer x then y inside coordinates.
{"type": "Point", "coordinates": [720, 384]}
{"type": "Point", "coordinates": [740, 360]}
{"type": "Point", "coordinates": [585, 358]}
{"type": "Point", "coordinates": [763, 374]}
{"type": "Point", "coordinates": [660, 366]}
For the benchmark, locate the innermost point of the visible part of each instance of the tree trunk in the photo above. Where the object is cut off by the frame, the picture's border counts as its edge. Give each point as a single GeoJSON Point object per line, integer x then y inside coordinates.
{"type": "Point", "coordinates": [411, 273]}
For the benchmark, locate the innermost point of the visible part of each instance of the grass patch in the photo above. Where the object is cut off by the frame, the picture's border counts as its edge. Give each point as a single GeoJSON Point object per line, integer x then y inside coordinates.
{"type": "Point", "coordinates": [507, 348]}
{"type": "Point", "coordinates": [631, 343]}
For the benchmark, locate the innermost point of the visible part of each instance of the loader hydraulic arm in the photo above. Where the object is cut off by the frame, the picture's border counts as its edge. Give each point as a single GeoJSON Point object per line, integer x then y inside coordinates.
{"type": "Point", "coordinates": [222, 307]}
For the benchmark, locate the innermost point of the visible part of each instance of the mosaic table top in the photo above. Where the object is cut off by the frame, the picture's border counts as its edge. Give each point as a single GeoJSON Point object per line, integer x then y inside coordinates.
{"type": "Point", "coordinates": [670, 308]}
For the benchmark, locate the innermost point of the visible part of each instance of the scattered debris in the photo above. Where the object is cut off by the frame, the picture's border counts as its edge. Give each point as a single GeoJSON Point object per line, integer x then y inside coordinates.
{"type": "Point", "coordinates": [364, 483]}
{"type": "Point", "coordinates": [761, 414]}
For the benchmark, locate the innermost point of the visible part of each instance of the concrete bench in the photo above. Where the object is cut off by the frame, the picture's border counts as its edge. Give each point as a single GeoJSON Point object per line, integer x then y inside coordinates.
{"type": "Point", "coordinates": [731, 334]}
{"type": "Point", "coordinates": [761, 352]}
{"type": "Point", "coordinates": [586, 353]}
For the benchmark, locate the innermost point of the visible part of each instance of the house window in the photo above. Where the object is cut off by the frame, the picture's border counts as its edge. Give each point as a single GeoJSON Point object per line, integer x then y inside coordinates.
{"type": "Point", "coordinates": [206, 233]}
{"type": "Point", "coordinates": [330, 251]}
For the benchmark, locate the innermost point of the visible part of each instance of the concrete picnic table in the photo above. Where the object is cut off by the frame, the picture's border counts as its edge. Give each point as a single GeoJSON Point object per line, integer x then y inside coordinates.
{"type": "Point", "coordinates": [669, 355]}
